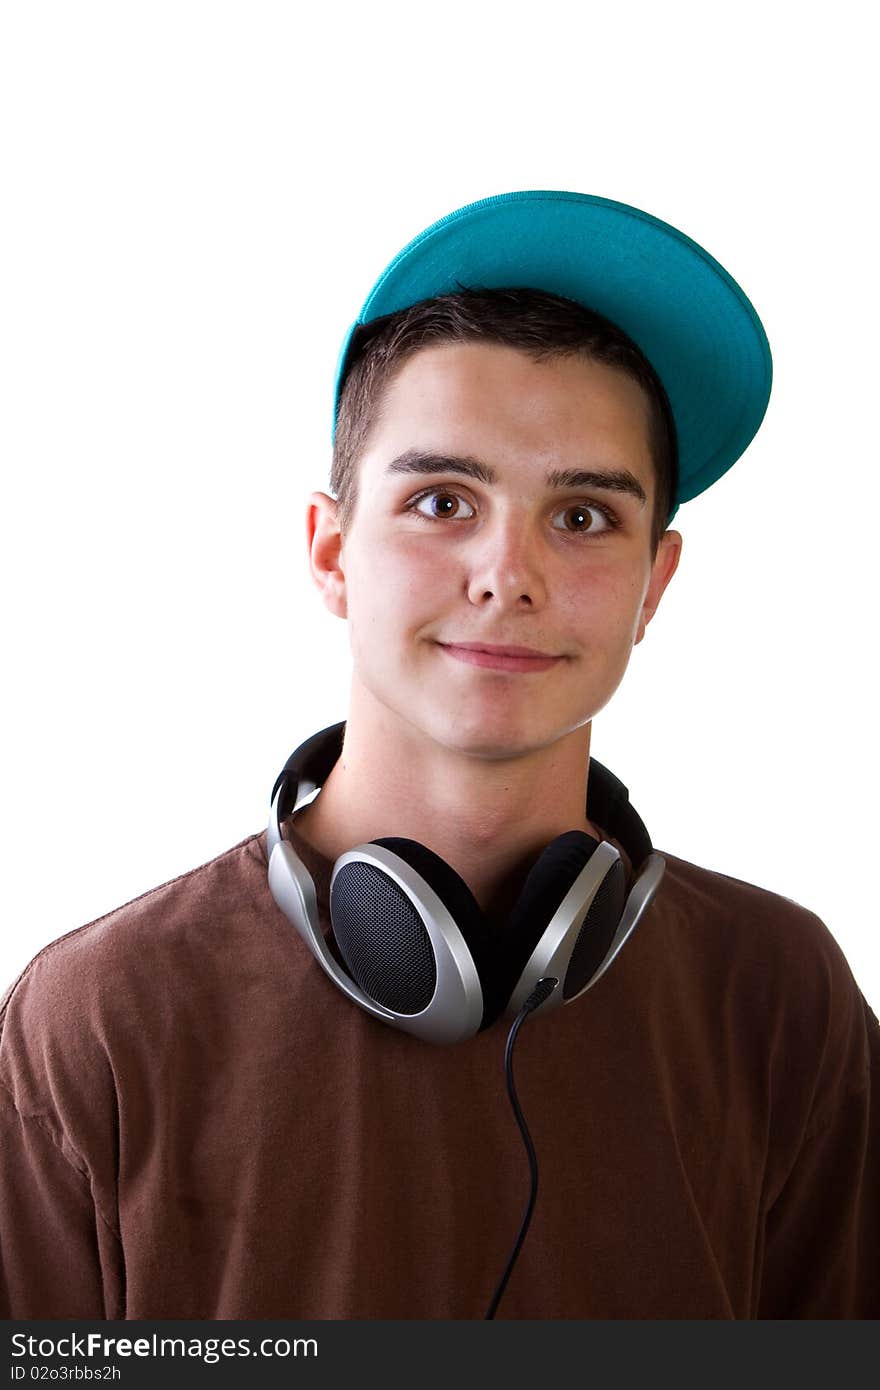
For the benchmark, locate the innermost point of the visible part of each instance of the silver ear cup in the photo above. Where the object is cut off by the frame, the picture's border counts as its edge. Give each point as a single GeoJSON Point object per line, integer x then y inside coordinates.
{"type": "Point", "coordinates": [403, 946]}
{"type": "Point", "coordinates": [553, 954]}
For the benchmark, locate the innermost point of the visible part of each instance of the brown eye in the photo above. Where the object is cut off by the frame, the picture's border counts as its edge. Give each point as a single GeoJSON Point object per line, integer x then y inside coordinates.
{"type": "Point", "coordinates": [442, 504]}
{"type": "Point", "coordinates": [589, 520]}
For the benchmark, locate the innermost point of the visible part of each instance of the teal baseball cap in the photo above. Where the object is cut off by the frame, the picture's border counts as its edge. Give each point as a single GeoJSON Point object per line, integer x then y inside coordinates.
{"type": "Point", "coordinates": [680, 307]}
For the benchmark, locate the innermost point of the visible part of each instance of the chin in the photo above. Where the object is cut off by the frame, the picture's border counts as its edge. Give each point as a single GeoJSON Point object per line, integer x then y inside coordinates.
{"type": "Point", "coordinates": [493, 742]}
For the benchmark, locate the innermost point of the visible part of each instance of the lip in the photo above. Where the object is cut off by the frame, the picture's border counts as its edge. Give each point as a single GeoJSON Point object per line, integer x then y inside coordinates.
{"type": "Point", "coordinates": [498, 650]}
{"type": "Point", "coordinates": [500, 658]}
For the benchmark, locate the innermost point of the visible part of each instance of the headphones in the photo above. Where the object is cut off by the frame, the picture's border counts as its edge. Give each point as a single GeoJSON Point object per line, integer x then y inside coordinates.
{"type": "Point", "coordinates": [417, 950]}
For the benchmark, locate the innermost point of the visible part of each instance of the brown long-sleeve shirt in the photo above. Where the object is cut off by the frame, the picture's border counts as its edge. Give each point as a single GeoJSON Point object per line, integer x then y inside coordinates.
{"type": "Point", "coordinates": [196, 1123]}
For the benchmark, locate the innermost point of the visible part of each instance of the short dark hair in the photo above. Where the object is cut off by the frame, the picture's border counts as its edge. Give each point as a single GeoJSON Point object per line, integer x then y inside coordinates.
{"type": "Point", "coordinates": [541, 324]}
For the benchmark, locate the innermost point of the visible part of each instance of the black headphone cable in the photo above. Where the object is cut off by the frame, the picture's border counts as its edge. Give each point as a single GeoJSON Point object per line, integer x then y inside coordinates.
{"type": "Point", "coordinates": [543, 989]}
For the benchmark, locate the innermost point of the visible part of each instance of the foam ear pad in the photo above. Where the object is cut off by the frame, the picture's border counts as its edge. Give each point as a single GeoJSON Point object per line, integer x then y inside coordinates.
{"type": "Point", "coordinates": [548, 881]}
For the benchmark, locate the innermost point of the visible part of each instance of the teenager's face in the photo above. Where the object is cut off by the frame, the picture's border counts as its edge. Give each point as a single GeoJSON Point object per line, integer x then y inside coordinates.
{"type": "Point", "coordinates": [476, 523]}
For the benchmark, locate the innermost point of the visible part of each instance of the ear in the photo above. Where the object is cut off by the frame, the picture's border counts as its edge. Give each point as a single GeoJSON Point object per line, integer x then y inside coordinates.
{"type": "Point", "coordinates": [664, 567]}
{"type": "Point", "coordinates": [324, 540]}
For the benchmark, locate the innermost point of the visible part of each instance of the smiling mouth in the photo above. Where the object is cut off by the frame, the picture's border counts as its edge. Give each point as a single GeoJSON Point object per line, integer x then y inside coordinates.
{"type": "Point", "coordinates": [523, 659]}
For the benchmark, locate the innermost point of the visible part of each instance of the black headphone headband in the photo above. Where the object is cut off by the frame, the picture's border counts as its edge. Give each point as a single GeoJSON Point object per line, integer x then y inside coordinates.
{"type": "Point", "coordinates": [608, 802]}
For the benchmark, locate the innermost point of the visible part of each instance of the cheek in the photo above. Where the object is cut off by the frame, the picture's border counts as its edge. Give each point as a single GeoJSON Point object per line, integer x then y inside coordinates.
{"type": "Point", "coordinates": [603, 604]}
{"type": "Point", "coordinates": [393, 588]}
{"type": "Point", "coordinates": [401, 572]}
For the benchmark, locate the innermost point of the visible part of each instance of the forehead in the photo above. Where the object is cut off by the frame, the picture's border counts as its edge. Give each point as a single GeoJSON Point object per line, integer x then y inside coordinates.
{"type": "Point", "coordinates": [497, 403]}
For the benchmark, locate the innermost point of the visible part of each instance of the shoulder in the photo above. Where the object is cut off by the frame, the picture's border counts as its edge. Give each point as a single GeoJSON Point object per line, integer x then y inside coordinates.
{"type": "Point", "coordinates": [115, 974]}
{"type": "Point", "coordinates": [777, 967]}
{"type": "Point", "coordinates": [719, 909]}
{"type": "Point", "coordinates": [150, 921]}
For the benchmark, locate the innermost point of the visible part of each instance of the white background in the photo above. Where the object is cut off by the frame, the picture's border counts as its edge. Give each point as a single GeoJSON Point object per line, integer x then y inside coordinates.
{"type": "Point", "coordinates": [197, 198]}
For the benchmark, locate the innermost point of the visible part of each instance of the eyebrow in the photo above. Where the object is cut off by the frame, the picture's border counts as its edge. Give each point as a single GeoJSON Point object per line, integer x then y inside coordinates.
{"type": "Point", "coordinates": [608, 479]}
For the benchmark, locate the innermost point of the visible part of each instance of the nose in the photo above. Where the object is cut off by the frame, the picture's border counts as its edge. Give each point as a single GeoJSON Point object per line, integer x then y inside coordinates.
{"type": "Point", "coordinates": [505, 567]}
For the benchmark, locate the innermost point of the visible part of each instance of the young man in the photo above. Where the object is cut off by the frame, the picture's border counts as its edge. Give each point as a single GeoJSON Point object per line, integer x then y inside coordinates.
{"type": "Point", "coordinates": [219, 1104]}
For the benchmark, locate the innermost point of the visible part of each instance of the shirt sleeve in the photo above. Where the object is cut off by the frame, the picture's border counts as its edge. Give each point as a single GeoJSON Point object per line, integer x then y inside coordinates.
{"type": "Point", "coordinates": [822, 1232]}
{"type": "Point", "coordinates": [59, 1257]}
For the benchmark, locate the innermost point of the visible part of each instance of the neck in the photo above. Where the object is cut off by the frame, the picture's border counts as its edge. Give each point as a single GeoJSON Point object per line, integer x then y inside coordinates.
{"type": "Point", "coordinates": [489, 818]}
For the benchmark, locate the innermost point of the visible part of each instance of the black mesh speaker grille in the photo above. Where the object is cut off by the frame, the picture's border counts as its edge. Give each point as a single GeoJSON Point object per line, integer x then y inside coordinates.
{"type": "Point", "coordinates": [596, 934]}
{"type": "Point", "coordinates": [382, 939]}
